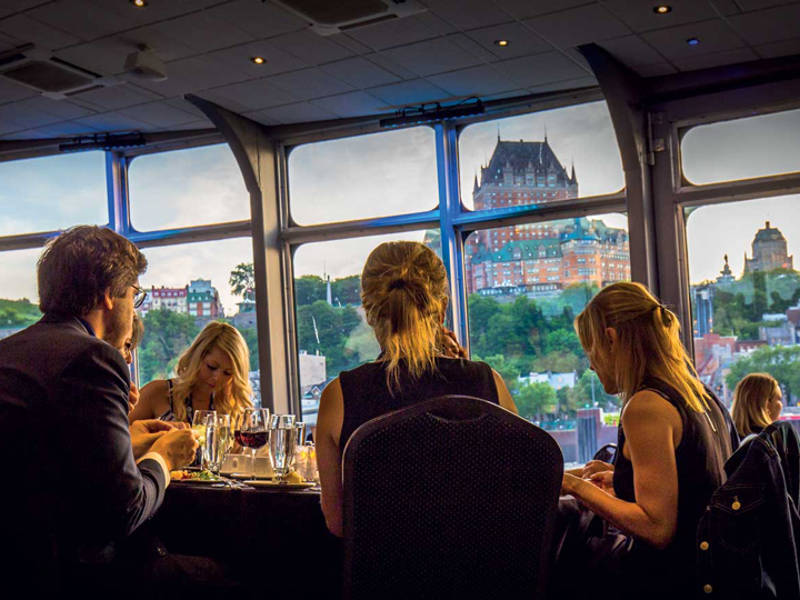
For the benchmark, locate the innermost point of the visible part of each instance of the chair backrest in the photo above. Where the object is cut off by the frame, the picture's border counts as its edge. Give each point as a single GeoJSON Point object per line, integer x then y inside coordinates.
{"type": "Point", "coordinates": [452, 498]}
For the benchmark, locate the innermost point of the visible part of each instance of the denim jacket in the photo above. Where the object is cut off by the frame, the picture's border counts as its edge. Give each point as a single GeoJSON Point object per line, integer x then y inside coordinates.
{"type": "Point", "coordinates": [748, 540]}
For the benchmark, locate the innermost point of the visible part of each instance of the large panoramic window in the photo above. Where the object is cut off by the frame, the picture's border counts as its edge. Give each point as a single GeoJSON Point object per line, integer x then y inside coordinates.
{"type": "Point", "coordinates": [189, 285]}
{"type": "Point", "coordinates": [745, 293]}
{"type": "Point", "coordinates": [540, 158]}
{"type": "Point", "coordinates": [53, 192]}
{"type": "Point", "coordinates": [19, 297]}
{"type": "Point", "coordinates": [332, 333]}
{"type": "Point", "coordinates": [182, 188]}
{"type": "Point", "coordinates": [376, 175]}
{"type": "Point", "coordinates": [526, 283]}
{"type": "Point", "coordinates": [742, 148]}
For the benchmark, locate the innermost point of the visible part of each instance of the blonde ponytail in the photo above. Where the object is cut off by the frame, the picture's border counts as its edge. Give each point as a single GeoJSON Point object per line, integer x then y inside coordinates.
{"type": "Point", "coordinates": [404, 294]}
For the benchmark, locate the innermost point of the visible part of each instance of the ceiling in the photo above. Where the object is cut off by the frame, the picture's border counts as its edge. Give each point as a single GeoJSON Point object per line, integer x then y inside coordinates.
{"type": "Point", "coordinates": [443, 54]}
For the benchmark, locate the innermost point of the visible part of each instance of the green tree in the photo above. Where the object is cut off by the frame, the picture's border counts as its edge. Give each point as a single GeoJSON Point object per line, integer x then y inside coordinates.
{"type": "Point", "coordinates": [166, 335]}
{"type": "Point", "coordinates": [346, 290]}
{"type": "Point", "coordinates": [242, 279]}
{"type": "Point", "coordinates": [308, 289]}
{"type": "Point", "coordinates": [562, 340]}
{"type": "Point", "coordinates": [535, 399]}
{"type": "Point", "coordinates": [18, 313]}
{"type": "Point", "coordinates": [332, 326]}
{"type": "Point", "coordinates": [588, 389]}
{"type": "Point", "coordinates": [782, 362]}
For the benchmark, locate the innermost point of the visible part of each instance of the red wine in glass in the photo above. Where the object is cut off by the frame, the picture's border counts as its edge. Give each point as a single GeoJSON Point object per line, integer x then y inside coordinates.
{"type": "Point", "coordinates": [252, 439]}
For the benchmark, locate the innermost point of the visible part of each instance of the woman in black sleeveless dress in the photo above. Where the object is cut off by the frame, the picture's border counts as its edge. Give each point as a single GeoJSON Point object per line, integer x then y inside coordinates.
{"type": "Point", "coordinates": [674, 438]}
{"type": "Point", "coordinates": [404, 294]}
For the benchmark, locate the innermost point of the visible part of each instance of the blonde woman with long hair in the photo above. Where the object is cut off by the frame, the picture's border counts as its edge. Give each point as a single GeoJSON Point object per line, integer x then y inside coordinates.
{"type": "Point", "coordinates": [757, 402]}
{"type": "Point", "coordinates": [404, 295]}
{"type": "Point", "coordinates": [212, 374]}
{"type": "Point", "coordinates": [674, 438]}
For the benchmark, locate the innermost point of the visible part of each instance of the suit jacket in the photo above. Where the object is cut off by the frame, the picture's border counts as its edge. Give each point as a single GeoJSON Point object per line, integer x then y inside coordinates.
{"type": "Point", "coordinates": [75, 492]}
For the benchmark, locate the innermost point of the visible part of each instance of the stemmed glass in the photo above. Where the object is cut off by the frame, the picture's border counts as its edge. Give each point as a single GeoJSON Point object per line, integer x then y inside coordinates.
{"type": "Point", "coordinates": [199, 426]}
{"type": "Point", "coordinates": [217, 442]}
{"type": "Point", "coordinates": [282, 441]}
{"type": "Point", "coordinates": [251, 429]}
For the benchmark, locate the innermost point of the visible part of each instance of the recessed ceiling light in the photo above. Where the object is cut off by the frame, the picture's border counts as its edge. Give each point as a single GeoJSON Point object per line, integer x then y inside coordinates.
{"type": "Point", "coordinates": [139, 3]}
{"type": "Point", "coordinates": [693, 41]}
{"type": "Point", "coordinates": [259, 60]}
{"type": "Point", "coordinates": [662, 9]}
{"type": "Point", "coordinates": [501, 43]}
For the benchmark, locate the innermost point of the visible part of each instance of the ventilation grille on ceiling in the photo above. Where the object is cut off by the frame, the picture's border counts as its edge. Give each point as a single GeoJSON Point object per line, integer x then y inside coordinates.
{"type": "Point", "coordinates": [328, 18]}
{"type": "Point", "coordinates": [51, 76]}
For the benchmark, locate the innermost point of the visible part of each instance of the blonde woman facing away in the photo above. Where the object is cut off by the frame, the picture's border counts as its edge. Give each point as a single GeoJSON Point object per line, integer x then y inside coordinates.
{"type": "Point", "coordinates": [212, 374]}
{"type": "Point", "coordinates": [756, 403]}
{"type": "Point", "coordinates": [404, 294]}
{"type": "Point", "coordinates": [674, 438]}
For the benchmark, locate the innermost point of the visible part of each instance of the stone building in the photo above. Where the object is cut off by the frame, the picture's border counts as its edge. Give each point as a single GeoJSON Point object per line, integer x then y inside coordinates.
{"type": "Point", "coordinates": [538, 258]}
{"type": "Point", "coordinates": [769, 251]}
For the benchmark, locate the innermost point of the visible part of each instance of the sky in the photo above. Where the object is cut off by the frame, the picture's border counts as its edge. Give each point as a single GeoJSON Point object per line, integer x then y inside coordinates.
{"type": "Point", "coordinates": [385, 173]}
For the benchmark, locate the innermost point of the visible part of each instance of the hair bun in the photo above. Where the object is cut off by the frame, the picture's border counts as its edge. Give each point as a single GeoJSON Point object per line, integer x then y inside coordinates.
{"type": "Point", "coordinates": [397, 284]}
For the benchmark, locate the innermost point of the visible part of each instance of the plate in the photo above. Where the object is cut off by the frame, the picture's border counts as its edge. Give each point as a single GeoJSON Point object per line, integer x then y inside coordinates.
{"type": "Point", "coordinates": [268, 483]}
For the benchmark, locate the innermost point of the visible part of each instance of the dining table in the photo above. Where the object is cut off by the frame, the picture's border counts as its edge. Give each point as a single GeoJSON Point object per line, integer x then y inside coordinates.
{"type": "Point", "coordinates": [275, 533]}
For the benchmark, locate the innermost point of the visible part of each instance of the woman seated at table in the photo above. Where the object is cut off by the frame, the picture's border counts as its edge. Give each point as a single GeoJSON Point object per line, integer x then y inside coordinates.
{"type": "Point", "coordinates": [213, 374]}
{"type": "Point", "coordinates": [673, 441]}
{"type": "Point", "coordinates": [404, 294]}
{"type": "Point", "coordinates": [756, 403]}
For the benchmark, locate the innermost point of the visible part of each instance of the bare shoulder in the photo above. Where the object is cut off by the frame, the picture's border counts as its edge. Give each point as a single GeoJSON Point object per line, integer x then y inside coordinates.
{"type": "Point", "coordinates": [331, 411]}
{"type": "Point", "coordinates": [503, 395]}
{"type": "Point", "coordinates": [647, 406]}
{"type": "Point", "coordinates": [153, 400]}
{"type": "Point", "coordinates": [156, 389]}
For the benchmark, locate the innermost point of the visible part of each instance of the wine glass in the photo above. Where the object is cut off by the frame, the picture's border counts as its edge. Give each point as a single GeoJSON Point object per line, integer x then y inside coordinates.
{"type": "Point", "coordinates": [251, 429]}
{"type": "Point", "coordinates": [282, 440]}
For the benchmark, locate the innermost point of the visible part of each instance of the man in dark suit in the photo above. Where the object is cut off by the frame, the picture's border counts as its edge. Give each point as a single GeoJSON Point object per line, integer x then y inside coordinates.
{"type": "Point", "coordinates": [83, 481]}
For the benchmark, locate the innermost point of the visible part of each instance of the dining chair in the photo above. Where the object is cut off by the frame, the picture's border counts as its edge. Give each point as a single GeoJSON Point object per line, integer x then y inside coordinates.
{"type": "Point", "coordinates": [454, 497]}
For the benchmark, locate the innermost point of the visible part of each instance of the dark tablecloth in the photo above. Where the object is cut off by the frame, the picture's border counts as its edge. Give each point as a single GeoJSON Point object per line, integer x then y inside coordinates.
{"type": "Point", "coordinates": [277, 536]}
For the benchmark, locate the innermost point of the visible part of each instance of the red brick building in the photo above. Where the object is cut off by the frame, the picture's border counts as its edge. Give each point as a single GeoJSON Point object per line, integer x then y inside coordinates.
{"type": "Point", "coordinates": [538, 257]}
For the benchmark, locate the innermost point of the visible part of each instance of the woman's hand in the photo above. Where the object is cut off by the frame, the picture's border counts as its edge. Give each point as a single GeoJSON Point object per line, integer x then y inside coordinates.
{"type": "Point", "coordinates": [595, 466]}
{"type": "Point", "coordinates": [604, 480]}
{"type": "Point", "coordinates": [450, 346]}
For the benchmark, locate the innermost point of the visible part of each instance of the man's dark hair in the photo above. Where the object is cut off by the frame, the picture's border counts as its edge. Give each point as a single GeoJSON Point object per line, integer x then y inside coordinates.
{"type": "Point", "coordinates": [78, 266]}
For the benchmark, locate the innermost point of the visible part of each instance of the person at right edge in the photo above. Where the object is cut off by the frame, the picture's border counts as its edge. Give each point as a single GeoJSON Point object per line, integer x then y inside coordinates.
{"type": "Point", "coordinates": [674, 438]}
{"type": "Point", "coordinates": [79, 482]}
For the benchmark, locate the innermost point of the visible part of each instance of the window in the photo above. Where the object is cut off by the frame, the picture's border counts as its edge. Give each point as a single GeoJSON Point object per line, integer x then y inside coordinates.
{"type": "Point", "coordinates": [522, 325]}
{"type": "Point", "coordinates": [197, 186]}
{"type": "Point", "coordinates": [19, 296]}
{"type": "Point", "coordinates": [53, 192]}
{"type": "Point", "coordinates": [742, 148]}
{"type": "Point", "coordinates": [332, 333]}
{"type": "Point", "coordinates": [537, 152]}
{"type": "Point", "coordinates": [745, 293]}
{"type": "Point", "coordinates": [374, 175]}
{"type": "Point", "coordinates": [178, 280]}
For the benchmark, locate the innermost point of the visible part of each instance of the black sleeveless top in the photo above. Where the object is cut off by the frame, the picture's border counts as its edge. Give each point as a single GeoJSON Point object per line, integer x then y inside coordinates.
{"type": "Point", "coordinates": [700, 457]}
{"type": "Point", "coordinates": [366, 395]}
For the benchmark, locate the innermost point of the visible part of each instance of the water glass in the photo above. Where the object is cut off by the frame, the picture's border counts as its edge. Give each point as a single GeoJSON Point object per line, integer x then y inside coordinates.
{"type": "Point", "coordinates": [282, 441]}
{"type": "Point", "coordinates": [199, 423]}
{"type": "Point", "coordinates": [217, 442]}
{"type": "Point", "coordinates": [301, 432]}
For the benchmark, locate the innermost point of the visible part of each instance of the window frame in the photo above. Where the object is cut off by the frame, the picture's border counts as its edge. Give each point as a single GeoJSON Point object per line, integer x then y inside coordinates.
{"type": "Point", "coordinates": [454, 221]}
